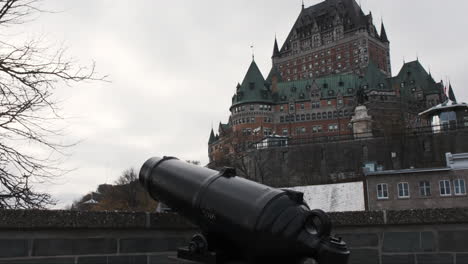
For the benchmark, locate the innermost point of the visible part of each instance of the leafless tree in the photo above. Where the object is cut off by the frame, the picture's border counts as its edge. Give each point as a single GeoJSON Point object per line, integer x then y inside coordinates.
{"type": "Point", "coordinates": [129, 187]}
{"type": "Point", "coordinates": [29, 73]}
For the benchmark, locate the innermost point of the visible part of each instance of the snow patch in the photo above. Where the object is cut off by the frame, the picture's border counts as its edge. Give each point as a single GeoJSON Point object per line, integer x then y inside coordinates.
{"type": "Point", "coordinates": [341, 197]}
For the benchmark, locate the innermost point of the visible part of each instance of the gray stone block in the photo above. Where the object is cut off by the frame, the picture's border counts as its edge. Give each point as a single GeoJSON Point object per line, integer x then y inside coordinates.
{"type": "Point", "coordinates": [114, 260]}
{"type": "Point", "coordinates": [40, 261]}
{"type": "Point", "coordinates": [58, 247]}
{"type": "Point", "coordinates": [92, 260]}
{"type": "Point", "coordinates": [364, 256]}
{"type": "Point", "coordinates": [127, 259]}
{"type": "Point", "coordinates": [398, 259]}
{"type": "Point", "coordinates": [427, 242]}
{"type": "Point", "coordinates": [142, 245]}
{"type": "Point", "coordinates": [164, 259]}
{"type": "Point", "coordinates": [455, 241]}
{"type": "Point", "coordinates": [401, 242]}
{"type": "Point", "coordinates": [461, 258]}
{"type": "Point", "coordinates": [13, 248]}
{"type": "Point", "coordinates": [435, 259]}
{"type": "Point", "coordinates": [360, 240]}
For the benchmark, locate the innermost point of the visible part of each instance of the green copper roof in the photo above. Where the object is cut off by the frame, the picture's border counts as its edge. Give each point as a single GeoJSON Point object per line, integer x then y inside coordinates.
{"type": "Point", "coordinates": [253, 88]}
{"type": "Point", "coordinates": [328, 87]}
{"type": "Point", "coordinates": [374, 79]}
{"type": "Point", "coordinates": [333, 85]}
{"type": "Point", "coordinates": [415, 77]}
{"type": "Point", "coordinates": [274, 72]}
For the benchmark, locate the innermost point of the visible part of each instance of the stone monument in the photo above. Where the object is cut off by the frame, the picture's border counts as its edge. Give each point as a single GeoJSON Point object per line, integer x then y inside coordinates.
{"type": "Point", "coordinates": [361, 121]}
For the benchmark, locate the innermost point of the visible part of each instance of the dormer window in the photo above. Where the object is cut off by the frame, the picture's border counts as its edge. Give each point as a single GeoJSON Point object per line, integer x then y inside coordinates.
{"type": "Point", "coordinates": [293, 89]}
{"type": "Point", "coordinates": [341, 84]}
{"type": "Point", "coordinates": [381, 85]}
{"type": "Point", "coordinates": [325, 85]}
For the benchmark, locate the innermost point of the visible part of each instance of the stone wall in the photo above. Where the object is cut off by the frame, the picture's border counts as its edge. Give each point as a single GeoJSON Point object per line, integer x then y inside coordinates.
{"type": "Point", "coordinates": [385, 237]}
{"type": "Point", "coordinates": [437, 236]}
{"type": "Point", "coordinates": [90, 237]}
{"type": "Point", "coordinates": [341, 161]}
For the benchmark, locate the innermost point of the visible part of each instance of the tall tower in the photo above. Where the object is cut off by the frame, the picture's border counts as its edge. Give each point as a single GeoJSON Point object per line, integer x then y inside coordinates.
{"type": "Point", "coordinates": [332, 37]}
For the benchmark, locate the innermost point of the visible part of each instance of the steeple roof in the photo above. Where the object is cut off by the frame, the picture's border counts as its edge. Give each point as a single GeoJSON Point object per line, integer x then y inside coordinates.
{"type": "Point", "coordinates": [253, 75]}
{"type": "Point", "coordinates": [276, 52]}
{"type": "Point", "coordinates": [413, 76]}
{"type": "Point", "coordinates": [383, 34]}
{"type": "Point", "coordinates": [452, 94]}
{"type": "Point", "coordinates": [253, 88]}
{"type": "Point", "coordinates": [212, 137]}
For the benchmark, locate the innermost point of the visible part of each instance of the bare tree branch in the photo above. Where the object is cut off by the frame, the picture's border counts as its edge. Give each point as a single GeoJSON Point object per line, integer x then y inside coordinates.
{"type": "Point", "coordinates": [29, 74]}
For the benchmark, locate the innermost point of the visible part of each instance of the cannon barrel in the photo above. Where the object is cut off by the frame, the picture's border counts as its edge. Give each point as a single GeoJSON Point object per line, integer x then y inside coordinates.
{"type": "Point", "coordinates": [242, 218]}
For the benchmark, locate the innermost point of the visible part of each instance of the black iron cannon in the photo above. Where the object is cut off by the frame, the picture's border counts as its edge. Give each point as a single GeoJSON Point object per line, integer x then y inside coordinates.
{"type": "Point", "coordinates": [241, 220]}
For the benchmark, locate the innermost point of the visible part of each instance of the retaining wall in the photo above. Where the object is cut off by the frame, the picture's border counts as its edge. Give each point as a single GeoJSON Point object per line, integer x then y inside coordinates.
{"type": "Point", "coordinates": [385, 237]}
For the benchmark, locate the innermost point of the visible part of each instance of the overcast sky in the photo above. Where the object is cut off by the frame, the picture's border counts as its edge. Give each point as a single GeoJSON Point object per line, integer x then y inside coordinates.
{"type": "Point", "coordinates": [174, 66]}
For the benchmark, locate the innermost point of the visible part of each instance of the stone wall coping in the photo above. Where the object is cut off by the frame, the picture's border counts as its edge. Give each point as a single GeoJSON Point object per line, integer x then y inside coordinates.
{"type": "Point", "coordinates": [401, 217]}
{"type": "Point", "coordinates": [56, 219]}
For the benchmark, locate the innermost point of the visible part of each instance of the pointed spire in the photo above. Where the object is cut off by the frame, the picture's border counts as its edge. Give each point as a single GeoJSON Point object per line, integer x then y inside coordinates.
{"type": "Point", "coordinates": [303, 6]}
{"type": "Point", "coordinates": [275, 49]}
{"type": "Point", "coordinates": [383, 34]}
{"type": "Point", "coordinates": [212, 137]}
{"type": "Point", "coordinates": [452, 94]}
{"type": "Point", "coordinates": [253, 52]}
